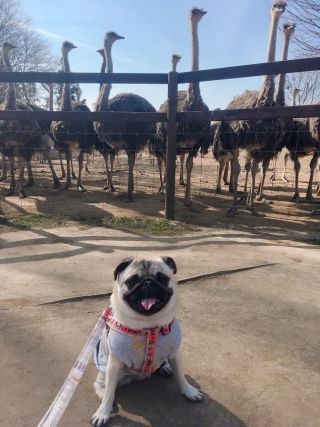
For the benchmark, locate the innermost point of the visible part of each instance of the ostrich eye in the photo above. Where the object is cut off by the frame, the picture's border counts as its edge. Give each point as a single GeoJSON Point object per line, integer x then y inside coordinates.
{"type": "Point", "coordinates": [132, 281]}
{"type": "Point", "coordinates": [162, 278]}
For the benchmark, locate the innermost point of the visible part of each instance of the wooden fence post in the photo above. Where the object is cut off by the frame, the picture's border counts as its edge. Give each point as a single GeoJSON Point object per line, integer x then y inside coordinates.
{"type": "Point", "coordinates": [171, 144]}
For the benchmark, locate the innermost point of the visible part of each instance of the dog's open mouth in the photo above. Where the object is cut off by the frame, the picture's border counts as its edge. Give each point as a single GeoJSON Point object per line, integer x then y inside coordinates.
{"type": "Point", "coordinates": [148, 303]}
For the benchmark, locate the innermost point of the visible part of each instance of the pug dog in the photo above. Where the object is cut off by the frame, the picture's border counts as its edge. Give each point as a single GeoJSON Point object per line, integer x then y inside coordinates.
{"type": "Point", "coordinates": [142, 334]}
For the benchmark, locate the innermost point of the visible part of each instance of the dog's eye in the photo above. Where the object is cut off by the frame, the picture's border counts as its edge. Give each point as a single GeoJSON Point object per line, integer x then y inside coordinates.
{"type": "Point", "coordinates": [132, 281]}
{"type": "Point", "coordinates": [162, 278]}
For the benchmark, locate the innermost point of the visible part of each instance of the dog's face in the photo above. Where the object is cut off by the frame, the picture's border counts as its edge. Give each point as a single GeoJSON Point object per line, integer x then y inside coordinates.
{"type": "Point", "coordinates": [146, 286]}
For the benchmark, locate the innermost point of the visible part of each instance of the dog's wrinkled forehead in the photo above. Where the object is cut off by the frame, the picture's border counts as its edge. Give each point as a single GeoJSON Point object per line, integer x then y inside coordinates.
{"type": "Point", "coordinates": [145, 267]}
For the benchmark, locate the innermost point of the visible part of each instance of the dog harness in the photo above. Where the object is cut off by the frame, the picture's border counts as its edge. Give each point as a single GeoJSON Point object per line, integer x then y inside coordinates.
{"type": "Point", "coordinates": [143, 351]}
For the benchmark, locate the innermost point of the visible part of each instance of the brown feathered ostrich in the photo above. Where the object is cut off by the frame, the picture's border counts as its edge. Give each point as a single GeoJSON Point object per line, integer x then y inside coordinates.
{"type": "Point", "coordinates": [128, 136]}
{"type": "Point", "coordinates": [194, 135]}
{"type": "Point", "coordinates": [288, 31]}
{"type": "Point", "coordinates": [73, 135]}
{"type": "Point", "coordinates": [260, 139]}
{"type": "Point", "coordinates": [19, 138]}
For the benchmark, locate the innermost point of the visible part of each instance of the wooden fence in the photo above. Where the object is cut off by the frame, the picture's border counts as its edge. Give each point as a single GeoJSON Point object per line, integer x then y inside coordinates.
{"type": "Point", "coordinates": [172, 80]}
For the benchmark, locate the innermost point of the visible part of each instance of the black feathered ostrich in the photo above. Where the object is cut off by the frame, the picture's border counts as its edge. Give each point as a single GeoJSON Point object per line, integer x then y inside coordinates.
{"type": "Point", "coordinates": [131, 137]}
{"type": "Point", "coordinates": [19, 138]}
{"type": "Point", "coordinates": [191, 136]}
{"type": "Point", "coordinates": [261, 140]}
{"type": "Point", "coordinates": [73, 135]}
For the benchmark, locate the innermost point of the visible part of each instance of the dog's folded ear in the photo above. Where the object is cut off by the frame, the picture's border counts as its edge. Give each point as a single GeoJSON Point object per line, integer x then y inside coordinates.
{"type": "Point", "coordinates": [122, 266]}
{"type": "Point", "coordinates": [170, 262]}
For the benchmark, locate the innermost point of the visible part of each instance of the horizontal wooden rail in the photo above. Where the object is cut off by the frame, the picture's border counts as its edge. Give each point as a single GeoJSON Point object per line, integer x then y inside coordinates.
{"type": "Point", "coordinates": [35, 77]}
{"type": "Point", "coordinates": [111, 117]}
{"type": "Point", "coordinates": [292, 66]}
{"type": "Point", "coordinates": [302, 111]}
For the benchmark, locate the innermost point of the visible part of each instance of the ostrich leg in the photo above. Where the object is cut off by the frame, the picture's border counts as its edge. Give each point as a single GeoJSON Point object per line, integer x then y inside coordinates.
{"type": "Point", "coordinates": [284, 175]}
{"type": "Point", "coordinates": [189, 166]}
{"type": "Point", "coordinates": [297, 167]}
{"type": "Point", "coordinates": [243, 199]}
{"type": "Point", "coordinates": [56, 182]}
{"type": "Point", "coordinates": [131, 161]}
{"type": "Point", "coordinates": [265, 166]}
{"type": "Point", "coordinates": [225, 175]}
{"type": "Point", "coordinates": [109, 181]}
{"type": "Point", "coordinates": [21, 162]}
{"type": "Point", "coordinates": [80, 162]}
{"type": "Point", "coordinates": [234, 183]}
{"type": "Point", "coordinates": [63, 172]}
{"type": "Point", "coordinates": [10, 192]}
{"type": "Point", "coordinates": [313, 165]}
{"type": "Point", "coordinates": [160, 164]}
{"type": "Point", "coordinates": [74, 176]}
{"type": "Point", "coordinates": [30, 182]}
{"type": "Point", "coordinates": [222, 165]}
{"type": "Point", "coordinates": [68, 181]}
{"type": "Point", "coordinates": [4, 172]}
{"type": "Point", "coordinates": [254, 171]}
{"type": "Point", "coordinates": [182, 160]}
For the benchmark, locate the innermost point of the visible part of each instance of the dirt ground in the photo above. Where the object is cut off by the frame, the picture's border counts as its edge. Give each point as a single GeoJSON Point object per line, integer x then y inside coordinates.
{"type": "Point", "coordinates": [279, 216]}
{"type": "Point", "coordinates": [250, 337]}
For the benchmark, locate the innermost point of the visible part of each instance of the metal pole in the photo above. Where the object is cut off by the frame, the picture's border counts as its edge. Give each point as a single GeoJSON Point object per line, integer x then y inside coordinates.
{"type": "Point", "coordinates": [171, 144]}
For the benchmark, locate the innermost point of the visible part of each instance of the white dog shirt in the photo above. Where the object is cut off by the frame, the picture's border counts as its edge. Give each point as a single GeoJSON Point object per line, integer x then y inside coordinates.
{"type": "Point", "coordinates": [132, 349]}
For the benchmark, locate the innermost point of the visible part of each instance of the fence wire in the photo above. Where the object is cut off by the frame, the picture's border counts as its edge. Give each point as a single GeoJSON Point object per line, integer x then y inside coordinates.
{"type": "Point", "coordinates": [43, 198]}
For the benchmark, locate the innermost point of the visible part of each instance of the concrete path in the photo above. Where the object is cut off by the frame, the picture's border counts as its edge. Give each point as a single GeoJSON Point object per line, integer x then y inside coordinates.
{"type": "Point", "coordinates": [251, 339]}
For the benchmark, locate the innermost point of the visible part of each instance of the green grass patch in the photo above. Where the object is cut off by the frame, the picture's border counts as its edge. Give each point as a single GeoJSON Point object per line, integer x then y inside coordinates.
{"type": "Point", "coordinates": [155, 226]}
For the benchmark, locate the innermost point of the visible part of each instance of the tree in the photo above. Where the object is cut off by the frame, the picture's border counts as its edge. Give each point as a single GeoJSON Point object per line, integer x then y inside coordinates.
{"type": "Point", "coordinates": [306, 14]}
{"type": "Point", "coordinates": [309, 85]}
{"type": "Point", "coordinates": [33, 51]}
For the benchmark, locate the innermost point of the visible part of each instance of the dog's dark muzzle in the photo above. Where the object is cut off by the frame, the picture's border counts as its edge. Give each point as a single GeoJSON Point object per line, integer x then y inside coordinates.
{"type": "Point", "coordinates": [148, 295]}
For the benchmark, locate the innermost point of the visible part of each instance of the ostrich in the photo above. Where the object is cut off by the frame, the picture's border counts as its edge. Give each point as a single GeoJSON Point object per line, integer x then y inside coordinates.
{"type": "Point", "coordinates": [18, 138]}
{"type": "Point", "coordinates": [158, 149]}
{"type": "Point", "coordinates": [131, 137]}
{"type": "Point", "coordinates": [73, 135]}
{"type": "Point", "coordinates": [288, 30]}
{"type": "Point", "coordinates": [260, 139]}
{"type": "Point", "coordinates": [194, 135]}
{"type": "Point", "coordinates": [106, 150]}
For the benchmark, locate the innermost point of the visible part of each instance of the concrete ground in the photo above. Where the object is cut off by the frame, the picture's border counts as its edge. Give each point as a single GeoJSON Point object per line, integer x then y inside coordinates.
{"type": "Point", "coordinates": [251, 338]}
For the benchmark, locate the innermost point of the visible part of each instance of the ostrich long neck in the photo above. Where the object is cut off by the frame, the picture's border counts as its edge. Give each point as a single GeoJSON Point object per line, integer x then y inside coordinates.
{"type": "Point", "coordinates": [103, 67]}
{"type": "Point", "coordinates": [194, 87]}
{"type": "Point", "coordinates": [66, 94]}
{"type": "Point", "coordinates": [51, 97]}
{"type": "Point", "coordinates": [294, 98]}
{"type": "Point", "coordinates": [10, 102]}
{"type": "Point", "coordinates": [103, 101]}
{"type": "Point", "coordinates": [280, 99]}
{"type": "Point", "coordinates": [268, 87]}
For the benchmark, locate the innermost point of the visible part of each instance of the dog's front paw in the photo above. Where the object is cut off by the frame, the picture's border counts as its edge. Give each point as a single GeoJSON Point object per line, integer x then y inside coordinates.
{"type": "Point", "coordinates": [192, 393]}
{"type": "Point", "coordinates": [100, 418]}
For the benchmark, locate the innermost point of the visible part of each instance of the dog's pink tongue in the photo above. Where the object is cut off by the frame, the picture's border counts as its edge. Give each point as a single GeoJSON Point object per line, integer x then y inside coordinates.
{"type": "Point", "coordinates": [147, 303]}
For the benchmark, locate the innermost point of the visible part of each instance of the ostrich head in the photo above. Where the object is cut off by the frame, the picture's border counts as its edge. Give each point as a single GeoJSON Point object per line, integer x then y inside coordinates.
{"type": "Point", "coordinates": [67, 47]}
{"type": "Point", "coordinates": [101, 51]}
{"type": "Point", "coordinates": [278, 7]}
{"type": "Point", "coordinates": [288, 28]}
{"type": "Point", "coordinates": [111, 37]}
{"type": "Point", "coordinates": [196, 14]}
{"type": "Point", "coordinates": [6, 47]}
{"type": "Point", "coordinates": [175, 59]}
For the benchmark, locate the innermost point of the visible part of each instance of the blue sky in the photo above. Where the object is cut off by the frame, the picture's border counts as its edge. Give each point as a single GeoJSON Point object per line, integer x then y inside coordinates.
{"type": "Point", "coordinates": [233, 32]}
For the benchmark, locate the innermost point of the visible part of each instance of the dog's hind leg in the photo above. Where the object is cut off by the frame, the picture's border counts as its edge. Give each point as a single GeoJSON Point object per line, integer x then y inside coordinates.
{"type": "Point", "coordinates": [165, 370]}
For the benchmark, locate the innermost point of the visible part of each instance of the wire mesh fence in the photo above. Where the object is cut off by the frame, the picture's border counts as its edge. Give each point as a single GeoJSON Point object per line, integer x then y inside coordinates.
{"type": "Point", "coordinates": [97, 201]}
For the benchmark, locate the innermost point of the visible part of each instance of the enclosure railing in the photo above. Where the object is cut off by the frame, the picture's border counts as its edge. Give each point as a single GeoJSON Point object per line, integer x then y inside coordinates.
{"type": "Point", "coordinates": [172, 117]}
